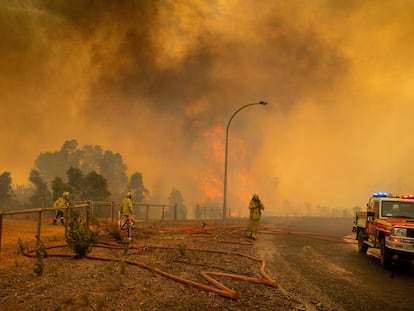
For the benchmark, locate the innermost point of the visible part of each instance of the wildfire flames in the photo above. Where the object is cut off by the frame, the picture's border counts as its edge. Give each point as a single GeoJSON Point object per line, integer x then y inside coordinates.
{"type": "Point", "coordinates": [240, 184]}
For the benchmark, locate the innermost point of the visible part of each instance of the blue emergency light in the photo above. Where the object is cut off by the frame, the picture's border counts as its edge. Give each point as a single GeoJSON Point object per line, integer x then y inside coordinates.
{"type": "Point", "coordinates": [381, 195]}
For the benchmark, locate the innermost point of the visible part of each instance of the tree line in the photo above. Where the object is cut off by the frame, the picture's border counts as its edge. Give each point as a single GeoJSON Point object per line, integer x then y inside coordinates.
{"type": "Point", "coordinates": [88, 173]}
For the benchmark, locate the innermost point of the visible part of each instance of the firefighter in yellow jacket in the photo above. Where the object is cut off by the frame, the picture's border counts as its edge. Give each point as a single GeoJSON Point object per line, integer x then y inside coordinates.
{"type": "Point", "coordinates": [62, 203]}
{"type": "Point", "coordinates": [255, 207]}
{"type": "Point", "coordinates": [126, 210]}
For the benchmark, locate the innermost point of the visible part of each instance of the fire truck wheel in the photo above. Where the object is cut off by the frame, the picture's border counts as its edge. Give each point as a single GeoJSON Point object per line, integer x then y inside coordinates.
{"type": "Point", "coordinates": [386, 255]}
{"type": "Point", "coordinates": [362, 247]}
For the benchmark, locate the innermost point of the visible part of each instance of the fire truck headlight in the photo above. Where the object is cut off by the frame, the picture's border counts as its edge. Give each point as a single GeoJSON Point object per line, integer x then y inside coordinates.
{"type": "Point", "coordinates": [399, 232]}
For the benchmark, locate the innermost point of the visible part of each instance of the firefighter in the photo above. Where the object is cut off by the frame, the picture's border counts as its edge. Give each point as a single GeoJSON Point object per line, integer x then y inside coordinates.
{"type": "Point", "coordinates": [255, 207]}
{"type": "Point", "coordinates": [126, 210]}
{"type": "Point", "coordinates": [62, 203]}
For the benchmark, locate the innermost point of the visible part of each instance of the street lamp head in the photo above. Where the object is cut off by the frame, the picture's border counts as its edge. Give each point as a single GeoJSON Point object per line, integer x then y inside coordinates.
{"type": "Point", "coordinates": [263, 103]}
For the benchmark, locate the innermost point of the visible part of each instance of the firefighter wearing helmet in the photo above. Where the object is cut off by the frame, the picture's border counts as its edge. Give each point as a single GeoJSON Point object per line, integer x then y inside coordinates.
{"type": "Point", "coordinates": [61, 203]}
{"type": "Point", "coordinates": [126, 209]}
{"type": "Point", "coordinates": [255, 208]}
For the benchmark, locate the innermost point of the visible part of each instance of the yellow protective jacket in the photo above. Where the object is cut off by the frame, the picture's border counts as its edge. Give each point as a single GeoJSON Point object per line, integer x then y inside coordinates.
{"type": "Point", "coordinates": [126, 207]}
{"type": "Point", "coordinates": [62, 203]}
{"type": "Point", "coordinates": [255, 208]}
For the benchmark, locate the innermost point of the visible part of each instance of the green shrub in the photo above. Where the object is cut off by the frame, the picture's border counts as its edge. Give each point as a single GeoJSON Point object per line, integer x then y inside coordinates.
{"type": "Point", "coordinates": [21, 248]}
{"type": "Point", "coordinates": [40, 254]}
{"type": "Point", "coordinates": [78, 236]}
{"type": "Point", "coordinates": [125, 244]}
{"type": "Point", "coordinates": [181, 249]}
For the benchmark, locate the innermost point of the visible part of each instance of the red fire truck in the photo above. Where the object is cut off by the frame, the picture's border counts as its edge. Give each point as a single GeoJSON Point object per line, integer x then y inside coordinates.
{"type": "Point", "coordinates": [387, 224]}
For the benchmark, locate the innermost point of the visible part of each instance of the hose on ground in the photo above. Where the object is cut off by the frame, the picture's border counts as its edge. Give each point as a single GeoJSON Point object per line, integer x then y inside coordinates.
{"type": "Point", "coordinates": [219, 289]}
{"type": "Point", "coordinates": [209, 232]}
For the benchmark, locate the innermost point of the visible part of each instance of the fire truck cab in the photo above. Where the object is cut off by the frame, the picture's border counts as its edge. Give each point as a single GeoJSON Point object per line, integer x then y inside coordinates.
{"type": "Point", "coordinates": [387, 224]}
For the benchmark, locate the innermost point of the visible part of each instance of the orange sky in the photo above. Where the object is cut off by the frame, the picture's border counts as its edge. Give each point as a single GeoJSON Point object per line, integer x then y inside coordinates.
{"type": "Point", "coordinates": [158, 81]}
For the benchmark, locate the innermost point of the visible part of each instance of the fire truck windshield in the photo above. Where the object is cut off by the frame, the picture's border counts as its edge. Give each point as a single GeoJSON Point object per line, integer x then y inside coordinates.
{"type": "Point", "coordinates": [397, 209]}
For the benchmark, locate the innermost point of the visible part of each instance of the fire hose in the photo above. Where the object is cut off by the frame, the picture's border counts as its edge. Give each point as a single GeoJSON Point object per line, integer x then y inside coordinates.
{"type": "Point", "coordinates": [218, 287]}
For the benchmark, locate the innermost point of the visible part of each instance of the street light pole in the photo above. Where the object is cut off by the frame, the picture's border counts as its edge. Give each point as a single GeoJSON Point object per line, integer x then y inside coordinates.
{"type": "Point", "coordinates": [225, 157]}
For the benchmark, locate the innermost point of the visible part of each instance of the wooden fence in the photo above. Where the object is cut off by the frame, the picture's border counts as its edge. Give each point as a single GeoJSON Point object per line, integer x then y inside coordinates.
{"type": "Point", "coordinates": [91, 208]}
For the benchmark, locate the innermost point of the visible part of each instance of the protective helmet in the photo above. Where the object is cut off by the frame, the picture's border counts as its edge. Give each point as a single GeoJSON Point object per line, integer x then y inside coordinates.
{"type": "Point", "coordinates": [255, 197]}
{"type": "Point", "coordinates": [129, 194]}
{"type": "Point", "coordinates": [65, 194]}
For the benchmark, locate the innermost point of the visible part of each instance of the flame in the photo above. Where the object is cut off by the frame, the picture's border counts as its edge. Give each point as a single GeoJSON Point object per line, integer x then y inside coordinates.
{"type": "Point", "coordinates": [210, 186]}
{"type": "Point", "coordinates": [241, 184]}
{"type": "Point", "coordinates": [215, 144]}
{"type": "Point", "coordinates": [234, 213]}
{"type": "Point", "coordinates": [212, 182]}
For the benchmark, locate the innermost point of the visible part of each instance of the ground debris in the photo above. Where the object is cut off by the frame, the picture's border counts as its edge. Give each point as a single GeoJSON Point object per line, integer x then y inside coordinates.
{"type": "Point", "coordinates": [72, 284]}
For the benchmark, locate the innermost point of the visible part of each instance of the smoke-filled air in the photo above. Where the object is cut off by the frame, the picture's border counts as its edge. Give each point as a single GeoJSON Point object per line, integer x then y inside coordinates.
{"type": "Point", "coordinates": [157, 81]}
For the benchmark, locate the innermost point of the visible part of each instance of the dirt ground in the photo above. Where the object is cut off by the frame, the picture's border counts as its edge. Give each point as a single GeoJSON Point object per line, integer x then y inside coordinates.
{"type": "Point", "coordinates": [167, 266]}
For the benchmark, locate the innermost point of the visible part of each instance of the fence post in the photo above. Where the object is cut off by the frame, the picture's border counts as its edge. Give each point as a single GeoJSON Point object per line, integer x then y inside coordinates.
{"type": "Point", "coordinates": [175, 211]}
{"type": "Point", "coordinates": [88, 207]}
{"type": "Point", "coordinates": [147, 212]}
{"type": "Point", "coordinates": [67, 216]}
{"type": "Point", "coordinates": [1, 230]}
{"type": "Point", "coordinates": [39, 224]}
{"type": "Point", "coordinates": [112, 211]}
{"type": "Point", "coordinates": [162, 215]}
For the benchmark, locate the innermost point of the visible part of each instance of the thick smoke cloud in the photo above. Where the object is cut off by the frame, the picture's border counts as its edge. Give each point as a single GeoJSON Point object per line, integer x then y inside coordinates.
{"type": "Point", "coordinates": [157, 81]}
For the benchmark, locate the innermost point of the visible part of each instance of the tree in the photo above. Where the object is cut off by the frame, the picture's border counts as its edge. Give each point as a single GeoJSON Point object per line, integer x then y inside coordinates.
{"type": "Point", "coordinates": [90, 158]}
{"type": "Point", "coordinates": [175, 198]}
{"type": "Point", "coordinates": [55, 164]}
{"type": "Point", "coordinates": [21, 196]}
{"type": "Point", "coordinates": [136, 185]}
{"type": "Point", "coordinates": [58, 187]}
{"type": "Point", "coordinates": [198, 212]}
{"type": "Point", "coordinates": [95, 187]}
{"type": "Point", "coordinates": [6, 191]}
{"type": "Point", "coordinates": [90, 187]}
{"type": "Point", "coordinates": [41, 196]}
{"type": "Point", "coordinates": [112, 167]}
{"type": "Point", "coordinates": [79, 237]}
{"type": "Point", "coordinates": [75, 182]}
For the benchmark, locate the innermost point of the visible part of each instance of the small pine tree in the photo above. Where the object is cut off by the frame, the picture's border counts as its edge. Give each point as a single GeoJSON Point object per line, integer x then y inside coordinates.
{"type": "Point", "coordinates": [40, 254]}
{"type": "Point", "coordinates": [79, 237]}
{"type": "Point", "coordinates": [21, 248]}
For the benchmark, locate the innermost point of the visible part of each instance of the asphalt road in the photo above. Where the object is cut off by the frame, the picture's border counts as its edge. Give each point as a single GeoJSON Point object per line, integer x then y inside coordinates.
{"type": "Point", "coordinates": [332, 275]}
